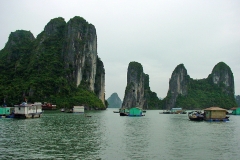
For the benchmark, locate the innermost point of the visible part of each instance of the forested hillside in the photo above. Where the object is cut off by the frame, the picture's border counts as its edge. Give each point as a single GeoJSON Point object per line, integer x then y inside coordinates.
{"type": "Point", "coordinates": [60, 66]}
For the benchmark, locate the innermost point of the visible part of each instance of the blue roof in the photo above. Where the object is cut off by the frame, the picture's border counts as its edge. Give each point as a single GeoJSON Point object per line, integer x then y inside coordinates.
{"type": "Point", "coordinates": [176, 108]}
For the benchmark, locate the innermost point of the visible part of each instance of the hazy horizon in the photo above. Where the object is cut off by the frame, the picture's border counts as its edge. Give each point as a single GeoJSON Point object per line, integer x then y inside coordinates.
{"type": "Point", "coordinates": [158, 34]}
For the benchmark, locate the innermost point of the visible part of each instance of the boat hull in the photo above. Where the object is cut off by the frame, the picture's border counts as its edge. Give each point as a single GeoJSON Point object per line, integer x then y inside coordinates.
{"type": "Point", "coordinates": [25, 116]}
{"type": "Point", "coordinates": [196, 119]}
{"type": "Point", "coordinates": [123, 114]}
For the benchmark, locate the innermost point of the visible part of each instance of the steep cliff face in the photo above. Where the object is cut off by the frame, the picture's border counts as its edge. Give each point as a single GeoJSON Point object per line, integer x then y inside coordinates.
{"type": "Point", "coordinates": [177, 85]}
{"type": "Point", "coordinates": [80, 51]}
{"type": "Point", "coordinates": [99, 86]}
{"type": "Point", "coordinates": [134, 92]}
{"type": "Point", "coordinates": [216, 90]}
{"type": "Point", "coordinates": [62, 61]}
{"type": "Point", "coordinates": [114, 101]}
{"type": "Point", "coordinates": [222, 74]}
{"type": "Point", "coordinates": [54, 26]}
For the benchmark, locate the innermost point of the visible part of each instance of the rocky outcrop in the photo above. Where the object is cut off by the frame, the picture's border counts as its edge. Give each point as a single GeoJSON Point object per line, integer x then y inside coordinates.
{"type": "Point", "coordinates": [134, 92]}
{"type": "Point", "coordinates": [54, 26]}
{"type": "Point", "coordinates": [79, 53]}
{"type": "Point", "coordinates": [215, 90]}
{"type": "Point", "coordinates": [177, 85]}
{"type": "Point", "coordinates": [114, 101]}
{"type": "Point", "coordinates": [222, 74]}
{"type": "Point", "coordinates": [15, 41]}
{"type": "Point", "coordinates": [99, 86]}
{"type": "Point", "coordinates": [63, 57]}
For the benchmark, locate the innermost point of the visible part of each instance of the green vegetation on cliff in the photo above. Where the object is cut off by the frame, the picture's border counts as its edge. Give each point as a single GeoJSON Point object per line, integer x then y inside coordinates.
{"type": "Point", "coordinates": [35, 69]}
{"type": "Point", "coordinates": [153, 101]}
{"type": "Point", "coordinates": [137, 68]}
{"type": "Point", "coordinates": [202, 94]}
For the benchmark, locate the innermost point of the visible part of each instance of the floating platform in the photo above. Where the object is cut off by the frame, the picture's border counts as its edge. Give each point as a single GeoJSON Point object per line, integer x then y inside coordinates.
{"type": "Point", "coordinates": [217, 120]}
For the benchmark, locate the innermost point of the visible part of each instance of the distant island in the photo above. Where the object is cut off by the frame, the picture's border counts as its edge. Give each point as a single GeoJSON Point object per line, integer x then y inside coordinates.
{"type": "Point", "coordinates": [114, 101]}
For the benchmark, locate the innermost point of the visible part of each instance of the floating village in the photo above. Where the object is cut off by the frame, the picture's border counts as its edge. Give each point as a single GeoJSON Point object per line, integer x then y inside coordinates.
{"type": "Point", "coordinates": [35, 110]}
{"type": "Point", "coordinates": [212, 114]}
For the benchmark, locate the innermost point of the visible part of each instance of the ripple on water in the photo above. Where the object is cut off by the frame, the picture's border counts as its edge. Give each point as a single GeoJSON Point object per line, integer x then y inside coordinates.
{"type": "Point", "coordinates": [107, 135]}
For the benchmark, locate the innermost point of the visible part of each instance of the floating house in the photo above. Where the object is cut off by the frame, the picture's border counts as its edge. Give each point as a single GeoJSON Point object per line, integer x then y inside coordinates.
{"type": "Point", "coordinates": [135, 111]}
{"type": "Point", "coordinates": [78, 109]}
{"type": "Point", "coordinates": [215, 114]}
{"type": "Point", "coordinates": [176, 110]}
{"type": "Point", "coordinates": [6, 112]}
{"type": "Point", "coordinates": [236, 111]}
{"type": "Point", "coordinates": [25, 110]}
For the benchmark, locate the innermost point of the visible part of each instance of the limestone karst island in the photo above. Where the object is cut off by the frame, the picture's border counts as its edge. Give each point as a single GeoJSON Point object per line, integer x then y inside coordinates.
{"type": "Point", "coordinates": [61, 66]}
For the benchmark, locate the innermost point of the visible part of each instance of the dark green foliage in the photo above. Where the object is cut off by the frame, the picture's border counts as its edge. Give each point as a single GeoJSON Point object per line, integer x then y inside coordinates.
{"type": "Point", "coordinates": [129, 87]}
{"type": "Point", "coordinates": [237, 100]}
{"type": "Point", "coordinates": [153, 101]}
{"type": "Point", "coordinates": [202, 94]}
{"type": "Point", "coordinates": [221, 66]}
{"type": "Point", "coordinates": [99, 71]}
{"type": "Point", "coordinates": [136, 68]}
{"type": "Point", "coordinates": [34, 69]}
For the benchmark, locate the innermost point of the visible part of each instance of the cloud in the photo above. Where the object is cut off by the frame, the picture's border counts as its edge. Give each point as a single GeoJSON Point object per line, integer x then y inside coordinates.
{"type": "Point", "coordinates": [158, 34]}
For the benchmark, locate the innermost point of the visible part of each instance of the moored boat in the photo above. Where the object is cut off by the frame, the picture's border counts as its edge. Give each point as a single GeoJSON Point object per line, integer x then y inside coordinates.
{"type": "Point", "coordinates": [123, 112]}
{"type": "Point", "coordinates": [48, 106]}
{"type": "Point", "coordinates": [196, 116]}
{"type": "Point", "coordinates": [165, 112]}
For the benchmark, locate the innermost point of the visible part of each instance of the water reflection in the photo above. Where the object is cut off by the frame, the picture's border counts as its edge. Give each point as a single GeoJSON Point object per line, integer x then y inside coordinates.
{"type": "Point", "coordinates": [63, 136]}
{"type": "Point", "coordinates": [136, 135]}
{"type": "Point", "coordinates": [107, 135]}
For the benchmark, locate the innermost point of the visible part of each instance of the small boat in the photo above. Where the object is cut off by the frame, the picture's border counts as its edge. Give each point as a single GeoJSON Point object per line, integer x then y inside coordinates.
{"type": "Point", "coordinates": [69, 110]}
{"type": "Point", "coordinates": [196, 116]}
{"type": "Point", "coordinates": [48, 106]}
{"type": "Point", "coordinates": [115, 111]}
{"type": "Point", "coordinates": [87, 115]}
{"type": "Point", "coordinates": [63, 110]}
{"type": "Point", "coordinates": [123, 112]}
{"type": "Point", "coordinates": [165, 112]}
{"type": "Point", "coordinates": [144, 111]}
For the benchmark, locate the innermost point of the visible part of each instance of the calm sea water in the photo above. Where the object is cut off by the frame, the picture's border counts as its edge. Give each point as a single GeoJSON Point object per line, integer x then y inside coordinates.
{"type": "Point", "coordinates": [107, 136]}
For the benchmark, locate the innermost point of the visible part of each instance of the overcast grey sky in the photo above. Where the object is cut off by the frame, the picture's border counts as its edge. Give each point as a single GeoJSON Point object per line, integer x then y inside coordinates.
{"type": "Point", "coordinates": [159, 34]}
